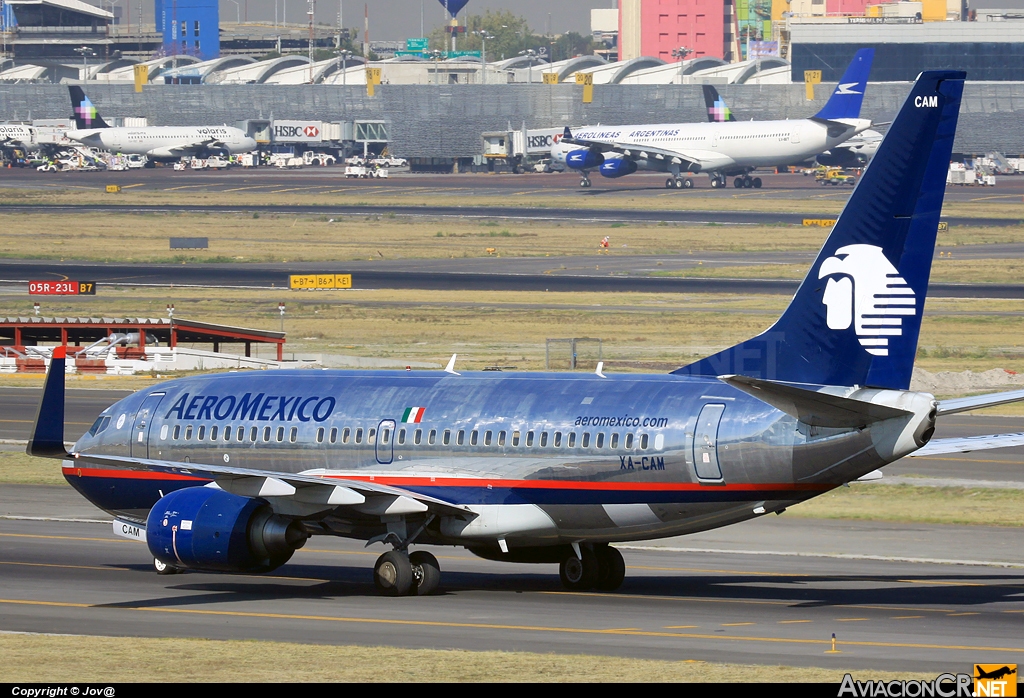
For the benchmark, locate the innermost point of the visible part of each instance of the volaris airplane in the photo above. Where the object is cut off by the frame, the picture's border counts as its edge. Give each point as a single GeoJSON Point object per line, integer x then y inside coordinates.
{"type": "Point", "coordinates": [234, 472]}
{"type": "Point", "coordinates": [158, 143]}
{"type": "Point", "coordinates": [722, 148]}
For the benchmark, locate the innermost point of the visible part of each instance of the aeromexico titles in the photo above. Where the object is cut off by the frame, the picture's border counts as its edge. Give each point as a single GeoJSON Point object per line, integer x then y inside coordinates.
{"type": "Point", "coordinates": [721, 148]}
{"type": "Point", "coordinates": [234, 472]}
{"type": "Point", "coordinates": [155, 142]}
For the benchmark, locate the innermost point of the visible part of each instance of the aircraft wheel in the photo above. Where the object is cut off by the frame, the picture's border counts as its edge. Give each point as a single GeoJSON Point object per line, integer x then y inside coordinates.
{"type": "Point", "coordinates": [611, 568]}
{"type": "Point", "coordinates": [688, 183]}
{"type": "Point", "coordinates": [738, 183]}
{"type": "Point", "coordinates": [392, 575]}
{"type": "Point", "coordinates": [163, 568]}
{"type": "Point", "coordinates": [426, 573]}
{"type": "Point", "coordinates": [577, 574]}
{"type": "Point", "coordinates": [584, 183]}
{"type": "Point", "coordinates": [716, 183]}
{"type": "Point", "coordinates": [678, 184]}
{"type": "Point", "coordinates": [757, 182]}
{"type": "Point", "coordinates": [748, 182]}
{"type": "Point", "coordinates": [669, 183]}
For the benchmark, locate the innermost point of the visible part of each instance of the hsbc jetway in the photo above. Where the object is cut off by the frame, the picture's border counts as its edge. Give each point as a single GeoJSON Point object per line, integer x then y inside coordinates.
{"type": "Point", "coordinates": [301, 134]}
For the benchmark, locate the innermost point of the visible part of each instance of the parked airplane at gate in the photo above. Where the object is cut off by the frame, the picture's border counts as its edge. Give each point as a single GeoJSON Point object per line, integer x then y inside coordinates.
{"type": "Point", "coordinates": [234, 472]}
{"type": "Point", "coordinates": [158, 143]}
{"type": "Point", "coordinates": [722, 148]}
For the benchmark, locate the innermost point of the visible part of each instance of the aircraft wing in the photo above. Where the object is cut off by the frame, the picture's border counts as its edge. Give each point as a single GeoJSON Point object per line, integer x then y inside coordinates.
{"type": "Point", "coordinates": [316, 490]}
{"type": "Point", "coordinates": [976, 402]}
{"type": "Point", "coordinates": [691, 161]}
{"type": "Point", "coordinates": [967, 444]}
{"type": "Point", "coordinates": [182, 149]}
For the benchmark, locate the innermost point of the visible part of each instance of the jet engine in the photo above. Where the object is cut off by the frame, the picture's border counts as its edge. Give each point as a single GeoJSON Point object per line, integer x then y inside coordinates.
{"type": "Point", "coordinates": [618, 167]}
{"type": "Point", "coordinates": [584, 159]}
{"type": "Point", "coordinates": [206, 528]}
{"type": "Point", "coordinates": [842, 157]}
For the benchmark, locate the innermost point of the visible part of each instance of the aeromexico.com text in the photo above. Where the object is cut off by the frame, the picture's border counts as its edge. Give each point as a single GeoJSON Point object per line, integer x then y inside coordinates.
{"type": "Point", "coordinates": [258, 408]}
{"type": "Point", "coordinates": [624, 421]}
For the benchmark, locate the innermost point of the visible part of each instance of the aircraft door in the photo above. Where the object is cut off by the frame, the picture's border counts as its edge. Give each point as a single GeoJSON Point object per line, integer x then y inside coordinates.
{"type": "Point", "coordinates": [714, 139]}
{"type": "Point", "coordinates": [143, 424]}
{"type": "Point", "coordinates": [705, 442]}
{"type": "Point", "coordinates": [794, 137]}
{"type": "Point", "coordinates": [385, 445]}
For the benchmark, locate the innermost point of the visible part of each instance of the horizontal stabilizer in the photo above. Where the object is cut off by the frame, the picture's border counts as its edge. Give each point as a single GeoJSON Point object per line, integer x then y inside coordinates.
{"type": "Point", "coordinates": [976, 402]}
{"type": "Point", "coordinates": [812, 407]}
{"type": "Point", "coordinates": [967, 444]}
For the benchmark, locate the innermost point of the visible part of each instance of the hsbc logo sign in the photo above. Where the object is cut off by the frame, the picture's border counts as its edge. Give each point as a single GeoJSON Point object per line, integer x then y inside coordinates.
{"type": "Point", "coordinates": [296, 131]}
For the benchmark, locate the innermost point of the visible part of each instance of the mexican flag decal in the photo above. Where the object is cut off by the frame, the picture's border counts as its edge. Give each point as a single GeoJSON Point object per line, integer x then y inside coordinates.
{"type": "Point", "coordinates": [413, 415]}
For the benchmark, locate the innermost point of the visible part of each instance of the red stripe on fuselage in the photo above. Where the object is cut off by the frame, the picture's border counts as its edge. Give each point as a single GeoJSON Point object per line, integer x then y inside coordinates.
{"type": "Point", "coordinates": [130, 474]}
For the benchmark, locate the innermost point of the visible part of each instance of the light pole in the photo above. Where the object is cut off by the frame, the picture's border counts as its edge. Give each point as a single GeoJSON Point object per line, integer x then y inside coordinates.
{"type": "Point", "coordinates": [436, 55]}
{"type": "Point", "coordinates": [681, 53]}
{"type": "Point", "coordinates": [85, 52]}
{"type": "Point", "coordinates": [280, 308]}
{"type": "Point", "coordinates": [343, 55]}
{"type": "Point", "coordinates": [484, 36]}
{"type": "Point", "coordinates": [238, 12]}
{"type": "Point", "coordinates": [532, 54]}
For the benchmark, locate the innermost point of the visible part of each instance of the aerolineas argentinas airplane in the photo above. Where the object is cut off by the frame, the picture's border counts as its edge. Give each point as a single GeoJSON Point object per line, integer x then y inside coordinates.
{"type": "Point", "coordinates": [155, 142]}
{"type": "Point", "coordinates": [234, 472]}
{"type": "Point", "coordinates": [730, 148]}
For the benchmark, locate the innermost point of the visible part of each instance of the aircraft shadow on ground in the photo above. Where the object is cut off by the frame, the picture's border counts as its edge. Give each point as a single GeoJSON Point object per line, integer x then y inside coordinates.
{"type": "Point", "coordinates": [798, 591]}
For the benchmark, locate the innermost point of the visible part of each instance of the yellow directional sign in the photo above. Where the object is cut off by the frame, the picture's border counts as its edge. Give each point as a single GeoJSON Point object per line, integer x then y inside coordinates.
{"type": "Point", "coordinates": [550, 78]}
{"type": "Point", "coordinates": [141, 76]}
{"type": "Point", "coordinates": [587, 80]}
{"type": "Point", "coordinates": [372, 78]}
{"type": "Point", "coordinates": [822, 222]}
{"type": "Point", "coordinates": [811, 78]}
{"type": "Point", "coordinates": [319, 282]}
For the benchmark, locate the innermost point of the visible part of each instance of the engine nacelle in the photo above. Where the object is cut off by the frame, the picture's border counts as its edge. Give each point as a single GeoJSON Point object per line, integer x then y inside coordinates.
{"type": "Point", "coordinates": [842, 157]}
{"type": "Point", "coordinates": [619, 167]}
{"type": "Point", "coordinates": [206, 528]}
{"type": "Point", "coordinates": [584, 159]}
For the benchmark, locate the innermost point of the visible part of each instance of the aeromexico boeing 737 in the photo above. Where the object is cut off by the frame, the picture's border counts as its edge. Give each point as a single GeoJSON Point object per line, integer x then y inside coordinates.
{"type": "Point", "coordinates": [234, 472]}
{"type": "Point", "coordinates": [158, 143]}
{"type": "Point", "coordinates": [721, 149]}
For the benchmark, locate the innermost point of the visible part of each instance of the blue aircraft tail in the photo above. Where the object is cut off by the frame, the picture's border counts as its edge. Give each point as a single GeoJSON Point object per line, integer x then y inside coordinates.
{"type": "Point", "coordinates": [849, 93]}
{"type": "Point", "coordinates": [856, 317]}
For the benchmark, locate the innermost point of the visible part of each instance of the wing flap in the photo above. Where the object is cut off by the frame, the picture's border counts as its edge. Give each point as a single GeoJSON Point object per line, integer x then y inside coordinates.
{"type": "Point", "coordinates": [813, 407]}
{"type": "Point", "coordinates": [366, 497]}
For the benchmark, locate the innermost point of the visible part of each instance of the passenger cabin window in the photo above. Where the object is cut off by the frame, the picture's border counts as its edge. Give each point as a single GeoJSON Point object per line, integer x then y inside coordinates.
{"type": "Point", "coordinates": [385, 435]}
{"type": "Point", "coordinates": [432, 437]}
{"type": "Point", "coordinates": [474, 437]}
{"type": "Point", "coordinates": [629, 441]}
{"type": "Point", "coordinates": [600, 440]}
{"type": "Point", "coordinates": [615, 441]}
{"type": "Point", "coordinates": [177, 432]}
{"type": "Point", "coordinates": [446, 438]}
{"type": "Point", "coordinates": [643, 441]}
{"type": "Point", "coordinates": [501, 438]}
{"type": "Point", "coordinates": [586, 439]}
{"type": "Point", "coordinates": [371, 436]}
{"type": "Point", "coordinates": [558, 439]}
{"type": "Point", "coordinates": [240, 435]}
{"type": "Point", "coordinates": [280, 434]}
{"type": "Point", "coordinates": [320, 435]}
{"type": "Point", "coordinates": [253, 432]}
{"type": "Point", "coordinates": [266, 434]}
{"type": "Point", "coordinates": [417, 436]}
{"type": "Point", "coordinates": [188, 433]}
{"type": "Point", "coordinates": [572, 439]}
{"type": "Point", "coordinates": [487, 438]}
{"type": "Point", "coordinates": [359, 436]}
{"type": "Point", "coordinates": [293, 435]}
{"type": "Point", "coordinates": [401, 437]}
{"type": "Point", "coordinates": [201, 434]}
{"type": "Point", "coordinates": [345, 433]}
{"type": "Point", "coordinates": [460, 438]}
{"type": "Point", "coordinates": [515, 438]}
{"type": "Point", "coordinates": [529, 438]}
{"type": "Point", "coordinates": [543, 439]}
{"type": "Point", "coordinates": [334, 435]}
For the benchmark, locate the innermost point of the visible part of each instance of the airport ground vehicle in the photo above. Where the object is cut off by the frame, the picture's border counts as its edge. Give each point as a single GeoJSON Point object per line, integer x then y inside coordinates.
{"type": "Point", "coordinates": [834, 176]}
{"type": "Point", "coordinates": [548, 165]}
{"type": "Point", "coordinates": [365, 172]}
{"type": "Point", "coordinates": [234, 472]}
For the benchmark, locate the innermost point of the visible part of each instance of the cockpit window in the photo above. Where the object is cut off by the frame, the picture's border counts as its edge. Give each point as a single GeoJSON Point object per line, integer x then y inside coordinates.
{"type": "Point", "coordinates": [99, 425]}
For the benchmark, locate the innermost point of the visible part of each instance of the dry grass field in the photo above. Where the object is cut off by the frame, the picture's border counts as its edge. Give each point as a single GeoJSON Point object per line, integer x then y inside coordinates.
{"type": "Point", "coordinates": [73, 658]}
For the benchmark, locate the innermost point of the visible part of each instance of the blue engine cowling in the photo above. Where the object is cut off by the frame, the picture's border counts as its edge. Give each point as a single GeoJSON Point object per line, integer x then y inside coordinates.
{"type": "Point", "coordinates": [584, 159]}
{"type": "Point", "coordinates": [206, 528]}
{"type": "Point", "coordinates": [619, 167]}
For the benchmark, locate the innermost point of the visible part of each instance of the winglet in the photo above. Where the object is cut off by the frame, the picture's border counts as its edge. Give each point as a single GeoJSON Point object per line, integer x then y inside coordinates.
{"type": "Point", "coordinates": [450, 368]}
{"type": "Point", "coordinates": [48, 433]}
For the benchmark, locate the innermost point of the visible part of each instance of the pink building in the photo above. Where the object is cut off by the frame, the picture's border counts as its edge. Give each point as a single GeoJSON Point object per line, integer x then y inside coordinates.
{"type": "Point", "coordinates": [656, 27]}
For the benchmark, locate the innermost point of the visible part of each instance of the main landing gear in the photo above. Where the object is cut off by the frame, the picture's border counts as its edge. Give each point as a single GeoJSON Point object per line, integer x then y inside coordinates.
{"type": "Point", "coordinates": [679, 183]}
{"type": "Point", "coordinates": [746, 182]}
{"type": "Point", "coordinates": [598, 566]}
{"type": "Point", "coordinates": [585, 181]}
{"type": "Point", "coordinates": [400, 573]}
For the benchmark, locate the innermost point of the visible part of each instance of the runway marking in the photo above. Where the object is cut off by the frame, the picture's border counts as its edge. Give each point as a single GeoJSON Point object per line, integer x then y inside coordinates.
{"type": "Point", "coordinates": [730, 625]}
{"type": "Point", "coordinates": [37, 535]}
{"type": "Point", "coordinates": [29, 421]}
{"type": "Point", "coordinates": [68, 567]}
{"type": "Point", "coordinates": [185, 186]}
{"type": "Point", "coordinates": [995, 196]}
{"type": "Point", "coordinates": [851, 620]}
{"type": "Point", "coordinates": [680, 627]}
{"type": "Point", "coordinates": [319, 186]}
{"type": "Point", "coordinates": [713, 571]}
{"type": "Point", "coordinates": [132, 186]}
{"type": "Point", "coordinates": [968, 613]}
{"type": "Point", "coordinates": [786, 622]}
{"type": "Point", "coordinates": [502, 626]}
{"type": "Point", "coordinates": [256, 186]}
{"type": "Point", "coordinates": [969, 460]}
{"type": "Point", "coordinates": [905, 617]}
{"type": "Point", "coordinates": [951, 584]}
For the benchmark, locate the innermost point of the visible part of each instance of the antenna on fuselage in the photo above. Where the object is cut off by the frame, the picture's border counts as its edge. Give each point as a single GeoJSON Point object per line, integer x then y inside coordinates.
{"type": "Point", "coordinates": [450, 368]}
